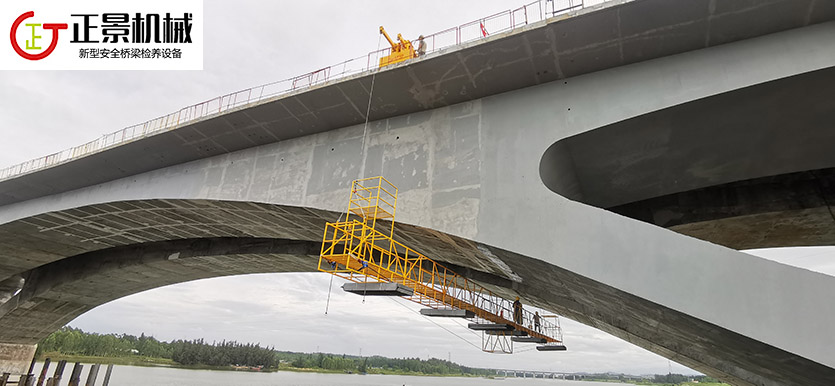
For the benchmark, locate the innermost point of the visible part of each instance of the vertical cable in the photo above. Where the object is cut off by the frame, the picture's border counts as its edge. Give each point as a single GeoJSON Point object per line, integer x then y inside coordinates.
{"type": "Point", "coordinates": [367, 113]}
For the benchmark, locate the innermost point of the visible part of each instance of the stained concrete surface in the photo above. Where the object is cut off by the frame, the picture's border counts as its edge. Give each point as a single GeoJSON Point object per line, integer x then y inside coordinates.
{"type": "Point", "coordinates": [786, 210]}
{"type": "Point", "coordinates": [16, 358]}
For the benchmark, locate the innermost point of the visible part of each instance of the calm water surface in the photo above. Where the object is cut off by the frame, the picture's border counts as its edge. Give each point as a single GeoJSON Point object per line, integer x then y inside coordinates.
{"type": "Point", "coordinates": [160, 376]}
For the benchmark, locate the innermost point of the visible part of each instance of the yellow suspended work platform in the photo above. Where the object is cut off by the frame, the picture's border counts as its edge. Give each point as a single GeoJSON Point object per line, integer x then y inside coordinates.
{"type": "Point", "coordinates": [362, 250]}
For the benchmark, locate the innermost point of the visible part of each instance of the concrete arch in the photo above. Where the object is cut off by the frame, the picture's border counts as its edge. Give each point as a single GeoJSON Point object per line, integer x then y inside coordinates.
{"type": "Point", "coordinates": [58, 292]}
{"type": "Point", "coordinates": [84, 257]}
{"type": "Point", "coordinates": [728, 168]}
{"type": "Point", "coordinates": [242, 237]}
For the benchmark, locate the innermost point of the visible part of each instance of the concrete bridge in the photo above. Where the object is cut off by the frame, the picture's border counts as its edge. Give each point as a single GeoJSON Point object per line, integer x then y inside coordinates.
{"type": "Point", "coordinates": [541, 374]}
{"type": "Point", "coordinates": [601, 166]}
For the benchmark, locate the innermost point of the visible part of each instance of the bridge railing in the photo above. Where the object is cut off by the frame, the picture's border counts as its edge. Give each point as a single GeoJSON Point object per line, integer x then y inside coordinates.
{"type": "Point", "coordinates": [464, 33]}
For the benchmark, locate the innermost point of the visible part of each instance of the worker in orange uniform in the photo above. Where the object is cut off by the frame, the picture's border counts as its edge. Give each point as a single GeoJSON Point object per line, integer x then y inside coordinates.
{"type": "Point", "coordinates": [517, 311]}
{"type": "Point", "coordinates": [421, 46]}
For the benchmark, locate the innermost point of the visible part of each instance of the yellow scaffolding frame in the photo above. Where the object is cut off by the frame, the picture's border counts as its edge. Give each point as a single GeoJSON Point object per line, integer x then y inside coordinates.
{"type": "Point", "coordinates": [362, 249]}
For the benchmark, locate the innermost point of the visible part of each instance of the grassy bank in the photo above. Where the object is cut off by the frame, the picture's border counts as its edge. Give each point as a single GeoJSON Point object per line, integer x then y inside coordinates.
{"type": "Point", "coordinates": [162, 362]}
{"type": "Point", "coordinates": [128, 361]}
{"type": "Point", "coordinates": [133, 361]}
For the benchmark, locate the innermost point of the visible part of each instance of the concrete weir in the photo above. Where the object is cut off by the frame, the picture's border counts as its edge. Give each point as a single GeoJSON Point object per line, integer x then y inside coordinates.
{"type": "Point", "coordinates": [518, 159]}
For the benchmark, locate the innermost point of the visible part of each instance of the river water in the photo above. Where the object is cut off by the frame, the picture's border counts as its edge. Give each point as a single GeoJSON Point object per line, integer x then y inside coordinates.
{"type": "Point", "coordinates": [162, 376]}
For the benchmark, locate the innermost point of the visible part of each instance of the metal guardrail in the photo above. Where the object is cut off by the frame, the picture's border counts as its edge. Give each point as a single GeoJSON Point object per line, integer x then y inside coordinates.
{"type": "Point", "coordinates": [478, 29]}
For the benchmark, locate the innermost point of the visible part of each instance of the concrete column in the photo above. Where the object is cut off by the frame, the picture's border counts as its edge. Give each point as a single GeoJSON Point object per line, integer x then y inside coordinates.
{"type": "Point", "coordinates": [92, 375]}
{"type": "Point", "coordinates": [107, 375]}
{"type": "Point", "coordinates": [15, 358]}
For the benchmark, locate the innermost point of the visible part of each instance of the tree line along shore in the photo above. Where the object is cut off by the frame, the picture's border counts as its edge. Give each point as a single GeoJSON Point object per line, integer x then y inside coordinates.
{"type": "Point", "coordinates": [75, 345]}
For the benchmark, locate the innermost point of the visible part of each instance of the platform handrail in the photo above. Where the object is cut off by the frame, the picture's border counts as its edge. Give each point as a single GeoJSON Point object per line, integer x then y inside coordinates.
{"type": "Point", "coordinates": [433, 283]}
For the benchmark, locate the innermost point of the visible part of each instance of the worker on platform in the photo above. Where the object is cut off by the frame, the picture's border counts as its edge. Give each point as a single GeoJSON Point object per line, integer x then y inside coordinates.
{"type": "Point", "coordinates": [421, 46]}
{"type": "Point", "coordinates": [517, 311]}
{"type": "Point", "coordinates": [536, 321]}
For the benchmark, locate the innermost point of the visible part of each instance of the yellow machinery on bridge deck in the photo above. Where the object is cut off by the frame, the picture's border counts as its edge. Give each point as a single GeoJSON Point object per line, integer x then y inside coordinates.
{"type": "Point", "coordinates": [400, 51]}
{"type": "Point", "coordinates": [361, 249]}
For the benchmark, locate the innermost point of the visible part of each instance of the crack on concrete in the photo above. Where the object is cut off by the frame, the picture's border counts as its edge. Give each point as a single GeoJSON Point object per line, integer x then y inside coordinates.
{"type": "Point", "coordinates": [711, 10]}
{"type": "Point", "coordinates": [490, 63]}
{"type": "Point", "coordinates": [748, 9]}
{"type": "Point", "coordinates": [367, 89]}
{"type": "Point", "coordinates": [620, 37]}
{"type": "Point", "coordinates": [619, 40]}
{"type": "Point", "coordinates": [553, 43]}
{"type": "Point", "coordinates": [427, 95]}
{"type": "Point", "coordinates": [459, 188]}
{"type": "Point", "coordinates": [466, 69]}
{"type": "Point", "coordinates": [264, 128]}
{"type": "Point", "coordinates": [350, 102]}
{"type": "Point", "coordinates": [281, 103]}
{"type": "Point", "coordinates": [488, 66]}
{"type": "Point", "coordinates": [505, 64]}
{"type": "Point", "coordinates": [445, 76]}
{"type": "Point", "coordinates": [529, 51]}
{"type": "Point", "coordinates": [808, 18]}
{"type": "Point", "coordinates": [309, 112]}
{"type": "Point", "coordinates": [656, 38]}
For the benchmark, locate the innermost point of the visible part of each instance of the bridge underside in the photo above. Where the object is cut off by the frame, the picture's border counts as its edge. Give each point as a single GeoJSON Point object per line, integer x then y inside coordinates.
{"type": "Point", "coordinates": [787, 210]}
{"type": "Point", "coordinates": [741, 175]}
{"type": "Point", "coordinates": [173, 241]}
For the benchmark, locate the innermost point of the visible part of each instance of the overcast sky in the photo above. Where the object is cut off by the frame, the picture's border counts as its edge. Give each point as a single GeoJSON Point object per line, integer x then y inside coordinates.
{"type": "Point", "coordinates": [248, 43]}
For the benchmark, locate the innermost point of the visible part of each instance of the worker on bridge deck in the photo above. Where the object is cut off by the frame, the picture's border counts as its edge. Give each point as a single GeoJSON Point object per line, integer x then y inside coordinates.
{"type": "Point", "coordinates": [517, 311]}
{"type": "Point", "coordinates": [421, 46]}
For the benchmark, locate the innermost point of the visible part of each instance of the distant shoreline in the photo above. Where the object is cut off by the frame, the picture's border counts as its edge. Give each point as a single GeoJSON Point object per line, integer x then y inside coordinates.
{"type": "Point", "coordinates": [168, 363]}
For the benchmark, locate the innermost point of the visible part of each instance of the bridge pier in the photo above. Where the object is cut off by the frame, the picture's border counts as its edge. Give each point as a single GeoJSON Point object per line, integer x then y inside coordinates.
{"type": "Point", "coordinates": [16, 358]}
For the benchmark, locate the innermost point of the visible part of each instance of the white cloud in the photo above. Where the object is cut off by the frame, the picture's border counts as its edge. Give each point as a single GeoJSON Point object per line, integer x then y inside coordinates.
{"type": "Point", "coordinates": [288, 311]}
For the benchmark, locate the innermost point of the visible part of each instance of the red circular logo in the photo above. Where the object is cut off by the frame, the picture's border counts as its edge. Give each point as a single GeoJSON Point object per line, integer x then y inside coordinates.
{"type": "Point", "coordinates": [53, 26]}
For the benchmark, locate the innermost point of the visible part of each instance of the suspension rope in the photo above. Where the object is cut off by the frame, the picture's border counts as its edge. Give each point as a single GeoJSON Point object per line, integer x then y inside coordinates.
{"type": "Point", "coordinates": [328, 303]}
{"type": "Point", "coordinates": [467, 328]}
{"type": "Point", "coordinates": [435, 323]}
{"type": "Point", "coordinates": [365, 126]}
{"type": "Point", "coordinates": [368, 110]}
